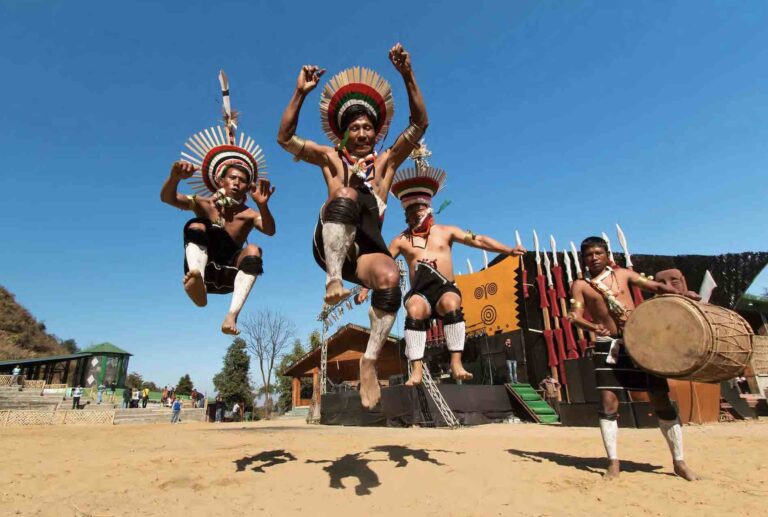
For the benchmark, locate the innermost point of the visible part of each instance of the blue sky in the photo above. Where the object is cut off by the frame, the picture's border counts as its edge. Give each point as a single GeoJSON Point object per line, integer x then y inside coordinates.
{"type": "Point", "coordinates": [563, 116]}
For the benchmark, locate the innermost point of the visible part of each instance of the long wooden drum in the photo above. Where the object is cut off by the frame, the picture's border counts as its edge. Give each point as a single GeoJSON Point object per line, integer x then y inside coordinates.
{"type": "Point", "coordinates": [673, 336]}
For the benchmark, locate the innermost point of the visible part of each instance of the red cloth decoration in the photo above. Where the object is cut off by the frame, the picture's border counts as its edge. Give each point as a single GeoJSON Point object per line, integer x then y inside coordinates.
{"type": "Point", "coordinates": [557, 272]}
{"type": "Point", "coordinates": [551, 354]}
{"type": "Point", "coordinates": [570, 342]}
{"type": "Point", "coordinates": [525, 283]}
{"type": "Point", "coordinates": [553, 301]}
{"type": "Point", "coordinates": [540, 282]}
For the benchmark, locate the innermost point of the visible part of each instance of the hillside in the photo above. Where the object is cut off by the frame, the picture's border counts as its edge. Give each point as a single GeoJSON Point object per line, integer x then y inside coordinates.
{"type": "Point", "coordinates": [21, 335]}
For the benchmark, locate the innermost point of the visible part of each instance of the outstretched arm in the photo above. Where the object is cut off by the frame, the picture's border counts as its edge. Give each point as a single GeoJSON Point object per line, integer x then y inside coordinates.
{"type": "Point", "coordinates": [483, 242]}
{"type": "Point", "coordinates": [649, 285]}
{"type": "Point", "coordinates": [306, 150]}
{"type": "Point", "coordinates": [180, 170]}
{"type": "Point", "coordinates": [260, 193]}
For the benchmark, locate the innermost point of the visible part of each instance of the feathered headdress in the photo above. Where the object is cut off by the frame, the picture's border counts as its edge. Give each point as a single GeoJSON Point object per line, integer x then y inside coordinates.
{"type": "Point", "coordinates": [420, 183]}
{"type": "Point", "coordinates": [356, 87]}
{"type": "Point", "coordinates": [216, 149]}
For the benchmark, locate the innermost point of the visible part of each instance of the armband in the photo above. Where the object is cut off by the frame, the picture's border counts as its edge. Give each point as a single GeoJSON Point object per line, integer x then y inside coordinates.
{"type": "Point", "coordinates": [413, 134]}
{"type": "Point", "coordinates": [576, 304]}
{"type": "Point", "coordinates": [294, 146]}
{"type": "Point", "coordinates": [470, 236]}
{"type": "Point", "coordinates": [193, 200]}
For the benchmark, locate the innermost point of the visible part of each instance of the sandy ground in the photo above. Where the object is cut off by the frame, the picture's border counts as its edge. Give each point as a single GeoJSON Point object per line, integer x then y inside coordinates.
{"type": "Point", "coordinates": [286, 467]}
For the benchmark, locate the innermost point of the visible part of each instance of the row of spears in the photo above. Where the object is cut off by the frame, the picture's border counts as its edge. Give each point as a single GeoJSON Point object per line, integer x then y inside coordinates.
{"type": "Point", "coordinates": [558, 331]}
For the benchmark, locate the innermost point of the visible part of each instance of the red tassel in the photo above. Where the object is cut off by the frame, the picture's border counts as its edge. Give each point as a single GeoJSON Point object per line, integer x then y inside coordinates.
{"type": "Point", "coordinates": [570, 342]}
{"type": "Point", "coordinates": [525, 283]}
{"type": "Point", "coordinates": [637, 295]}
{"type": "Point", "coordinates": [553, 302]}
{"type": "Point", "coordinates": [561, 353]}
{"type": "Point", "coordinates": [552, 355]}
{"type": "Point", "coordinates": [543, 303]}
{"type": "Point", "coordinates": [557, 272]}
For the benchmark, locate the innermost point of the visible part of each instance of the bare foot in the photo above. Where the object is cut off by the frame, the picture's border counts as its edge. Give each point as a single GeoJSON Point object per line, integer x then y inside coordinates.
{"type": "Point", "coordinates": [370, 393]}
{"type": "Point", "coordinates": [612, 472]}
{"type": "Point", "coordinates": [194, 285]}
{"type": "Point", "coordinates": [335, 292]}
{"type": "Point", "coordinates": [416, 374]}
{"type": "Point", "coordinates": [230, 325]}
{"type": "Point", "coordinates": [682, 470]}
{"type": "Point", "coordinates": [459, 373]}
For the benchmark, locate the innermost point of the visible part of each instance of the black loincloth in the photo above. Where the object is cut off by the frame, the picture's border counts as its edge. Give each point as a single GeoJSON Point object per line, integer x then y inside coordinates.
{"type": "Point", "coordinates": [368, 237]}
{"type": "Point", "coordinates": [223, 251]}
{"type": "Point", "coordinates": [623, 375]}
{"type": "Point", "coordinates": [430, 285]}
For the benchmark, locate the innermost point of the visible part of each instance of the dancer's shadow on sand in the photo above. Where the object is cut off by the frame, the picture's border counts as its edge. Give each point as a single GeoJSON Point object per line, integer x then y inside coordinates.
{"type": "Point", "coordinates": [267, 459]}
{"type": "Point", "coordinates": [591, 465]}
{"type": "Point", "coordinates": [400, 454]}
{"type": "Point", "coordinates": [354, 466]}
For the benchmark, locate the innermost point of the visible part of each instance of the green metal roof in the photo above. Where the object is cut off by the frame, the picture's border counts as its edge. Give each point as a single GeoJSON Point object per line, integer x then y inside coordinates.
{"type": "Point", "coordinates": [105, 348]}
{"type": "Point", "coordinates": [39, 360]}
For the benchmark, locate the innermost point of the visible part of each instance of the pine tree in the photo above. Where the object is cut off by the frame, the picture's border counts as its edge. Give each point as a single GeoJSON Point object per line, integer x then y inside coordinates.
{"type": "Point", "coordinates": [185, 385]}
{"type": "Point", "coordinates": [232, 382]}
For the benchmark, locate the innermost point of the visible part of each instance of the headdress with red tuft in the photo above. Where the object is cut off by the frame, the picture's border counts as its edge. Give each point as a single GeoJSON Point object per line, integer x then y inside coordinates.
{"type": "Point", "coordinates": [216, 149]}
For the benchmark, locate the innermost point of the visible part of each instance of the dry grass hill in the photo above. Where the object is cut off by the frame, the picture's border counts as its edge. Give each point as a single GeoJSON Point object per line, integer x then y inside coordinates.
{"type": "Point", "coordinates": [21, 335]}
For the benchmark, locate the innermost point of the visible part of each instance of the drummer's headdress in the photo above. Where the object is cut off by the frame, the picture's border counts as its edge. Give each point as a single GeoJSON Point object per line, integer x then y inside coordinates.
{"type": "Point", "coordinates": [216, 149]}
{"type": "Point", "coordinates": [420, 183]}
{"type": "Point", "coordinates": [356, 90]}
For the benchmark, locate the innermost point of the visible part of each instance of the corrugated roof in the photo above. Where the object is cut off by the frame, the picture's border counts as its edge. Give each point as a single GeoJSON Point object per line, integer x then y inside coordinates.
{"type": "Point", "coordinates": [37, 360]}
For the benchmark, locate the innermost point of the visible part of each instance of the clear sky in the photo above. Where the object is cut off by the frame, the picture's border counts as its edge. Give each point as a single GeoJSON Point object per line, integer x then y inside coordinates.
{"type": "Point", "coordinates": [563, 116]}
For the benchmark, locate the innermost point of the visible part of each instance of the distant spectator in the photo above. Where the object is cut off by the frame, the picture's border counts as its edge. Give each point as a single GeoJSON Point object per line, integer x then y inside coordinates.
{"type": "Point", "coordinates": [76, 394]}
{"type": "Point", "coordinates": [144, 397]}
{"type": "Point", "coordinates": [236, 412]}
{"type": "Point", "coordinates": [219, 408]}
{"type": "Point", "coordinates": [509, 353]}
{"type": "Point", "coordinates": [164, 396]}
{"type": "Point", "coordinates": [100, 392]}
{"type": "Point", "coordinates": [135, 396]}
{"type": "Point", "coordinates": [126, 398]}
{"type": "Point", "coordinates": [112, 389]}
{"type": "Point", "coordinates": [176, 415]}
{"type": "Point", "coordinates": [551, 389]}
{"type": "Point", "coordinates": [15, 374]}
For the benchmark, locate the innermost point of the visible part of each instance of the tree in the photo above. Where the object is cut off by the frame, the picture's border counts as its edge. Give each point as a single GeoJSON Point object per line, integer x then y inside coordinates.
{"type": "Point", "coordinates": [267, 334]}
{"type": "Point", "coordinates": [134, 381]}
{"type": "Point", "coordinates": [232, 382]}
{"type": "Point", "coordinates": [70, 345]}
{"type": "Point", "coordinates": [315, 339]}
{"type": "Point", "coordinates": [185, 385]}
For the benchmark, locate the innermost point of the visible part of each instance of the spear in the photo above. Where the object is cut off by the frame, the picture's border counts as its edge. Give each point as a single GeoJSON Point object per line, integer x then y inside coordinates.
{"type": "Point", "coordinates": [579, 330]}
{"type": "Point", "coordinates": [580, 276]}
{"type": "Point", "coordinates": [522, 266]}
{"type": "Point", "coordinates": [544, 304]}
{"type": "Point", "coordinates": [230, 121]}
{"type": "Point", "coordinates": [610, 252]}
{"type": "Point", "coordinates": [558, 332]}
{"type": "Point", "coordinates": [637, 295]}
{"type": "Point", "coordinates": [557, 272]}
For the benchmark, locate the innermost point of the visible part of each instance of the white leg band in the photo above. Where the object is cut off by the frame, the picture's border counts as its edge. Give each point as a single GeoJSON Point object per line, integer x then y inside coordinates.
{"type": "Point", "coordinates": [381, 324]}
{"type": "Point", "coordinates": [610, 431]}
{"type": "Point", "coordinates": [337, 238]}
{"type": "Point", "coordinates": [415, 342]}
{"type": "Point", "coordinates": [197, 257]}
{"type": "Point", "coordinates": [243, 284]}
{"type": "Point", "coordinates": [454, 336]}
{"type": "Point", "coordinates": [673, 434]}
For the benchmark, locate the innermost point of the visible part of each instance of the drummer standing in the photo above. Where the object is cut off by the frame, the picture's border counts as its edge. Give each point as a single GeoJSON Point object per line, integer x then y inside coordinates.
{"type": "Point", "coordinates": [606, 297]}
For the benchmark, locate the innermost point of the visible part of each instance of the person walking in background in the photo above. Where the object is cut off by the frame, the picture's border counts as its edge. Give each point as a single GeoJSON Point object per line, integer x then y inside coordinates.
{"type": "Point", "coordinates": [136, 395]}
{"type": "Point", "coordinates": [15, 374]}
{"type": "Point", "coordinates": [164, 397]}
{"type": "Point", "coordinates": [176, 414]}
{"type": "Point", "coordinates": [126, 398]}
{"type": "Point", "coordinates": [112, 389]}
{"type": "Point", "coordinates": [509, 353]}
{"type": "Point", "coordinates": [144, 397]}
{"type": "Point", "coordinates": [76, 394]}
{"type": "Point", "coordinates": [100, 392]}
{"type": "Point", "coordinates": [219, 408]}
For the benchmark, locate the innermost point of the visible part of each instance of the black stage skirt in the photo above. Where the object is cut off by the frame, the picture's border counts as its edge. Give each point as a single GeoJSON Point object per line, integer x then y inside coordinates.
{"type": "Point", "coordinates": [223, 251]}
{"type": "Point", "coordinates": [430, 285]}
{"type": "Point", "coordinates": [623, 375]}
{"type": "Point", "coordinates": [368, 237]}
